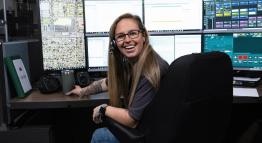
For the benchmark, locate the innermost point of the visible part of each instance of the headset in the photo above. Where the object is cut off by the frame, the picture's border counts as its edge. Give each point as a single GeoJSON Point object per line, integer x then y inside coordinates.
{"type": "Point", "coordinates": [48, 84]}
{"type": "Point", "coordinates": [113, 44]}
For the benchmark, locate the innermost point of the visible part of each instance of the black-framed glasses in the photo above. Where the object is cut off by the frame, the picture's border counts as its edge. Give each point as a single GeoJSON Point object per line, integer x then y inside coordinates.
{"type": "Point", "coordinates": [131, 34]}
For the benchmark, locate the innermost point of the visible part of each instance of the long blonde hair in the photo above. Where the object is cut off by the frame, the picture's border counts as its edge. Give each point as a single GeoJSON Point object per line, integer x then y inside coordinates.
{"type": "Point", "coordinates": [120, 70]}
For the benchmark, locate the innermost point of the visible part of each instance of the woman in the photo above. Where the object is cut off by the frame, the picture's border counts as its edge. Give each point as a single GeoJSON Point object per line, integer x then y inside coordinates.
{"type": "Point", "coordinates": [135, 70]}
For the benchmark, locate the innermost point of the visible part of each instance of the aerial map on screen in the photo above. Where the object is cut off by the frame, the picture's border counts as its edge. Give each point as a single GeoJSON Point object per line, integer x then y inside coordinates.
{"type": "Point", "coordinates": [62, 28]}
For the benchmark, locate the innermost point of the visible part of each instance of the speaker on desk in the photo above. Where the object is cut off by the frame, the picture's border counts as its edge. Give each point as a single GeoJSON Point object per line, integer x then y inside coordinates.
{"type": "Point", "coordinates": [82, 78]}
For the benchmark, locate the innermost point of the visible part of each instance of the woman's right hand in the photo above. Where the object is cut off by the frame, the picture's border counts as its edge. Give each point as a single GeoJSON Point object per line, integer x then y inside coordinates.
{"type": "Point", "coordinates": [75, 91]}
{"type": "Point", "coordinates": [94, 88]}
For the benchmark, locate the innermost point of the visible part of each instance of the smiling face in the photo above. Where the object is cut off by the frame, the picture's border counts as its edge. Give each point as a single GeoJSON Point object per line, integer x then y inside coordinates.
{"type": "Point", "coordinates": [130, 47]}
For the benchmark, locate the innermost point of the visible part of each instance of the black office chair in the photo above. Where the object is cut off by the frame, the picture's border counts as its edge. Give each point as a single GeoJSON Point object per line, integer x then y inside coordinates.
{"type": "Point", "coordinates": [193, 104]}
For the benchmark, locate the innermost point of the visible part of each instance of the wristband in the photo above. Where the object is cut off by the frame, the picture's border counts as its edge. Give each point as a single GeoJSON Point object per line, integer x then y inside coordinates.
{"type": "Point", "coordinates": [102, 109]}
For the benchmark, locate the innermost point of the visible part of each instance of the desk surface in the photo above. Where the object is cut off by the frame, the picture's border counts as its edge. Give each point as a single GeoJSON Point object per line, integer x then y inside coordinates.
{"type": "Point", "coordinates": [37, 100]}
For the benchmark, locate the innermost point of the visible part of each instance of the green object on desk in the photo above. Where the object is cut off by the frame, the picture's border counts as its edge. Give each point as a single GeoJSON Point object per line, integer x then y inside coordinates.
{"type": "Point", "coordinates": [18, 75]}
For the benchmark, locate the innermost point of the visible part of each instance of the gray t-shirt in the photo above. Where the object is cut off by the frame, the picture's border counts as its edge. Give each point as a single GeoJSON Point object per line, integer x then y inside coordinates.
{"type": "Point", "coordinates": [144, 93]}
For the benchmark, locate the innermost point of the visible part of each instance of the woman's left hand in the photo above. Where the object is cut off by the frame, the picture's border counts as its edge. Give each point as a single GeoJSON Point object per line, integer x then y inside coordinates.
{"type": "Point", "coordinates": [97, 117]}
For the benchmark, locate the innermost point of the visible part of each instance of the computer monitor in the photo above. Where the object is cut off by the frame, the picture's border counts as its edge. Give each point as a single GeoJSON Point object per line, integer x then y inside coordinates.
{"type": "Point", "coordinates": [164, 46]}
{"type": "Point", "coordinates": [244, 49]}
{"type": "Point", "coordinates": [100, 14]}
{"type": "Point", "coordinates": [173, 15]}
{"type": "Point", "coordinates": [62, 30]}
{"type": "Point", "coordinates": [97, 48]}
{"type": "Point", "coordinates": [187, 44]}
{"type": "Point", "coordinates": [171, 47]}
{"type": "Point", "coordinates": [232, 14]}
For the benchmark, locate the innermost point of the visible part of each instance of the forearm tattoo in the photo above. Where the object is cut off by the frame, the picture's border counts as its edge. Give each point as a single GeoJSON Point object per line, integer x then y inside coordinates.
{"type": "Point", "coordinates": [93, 88]}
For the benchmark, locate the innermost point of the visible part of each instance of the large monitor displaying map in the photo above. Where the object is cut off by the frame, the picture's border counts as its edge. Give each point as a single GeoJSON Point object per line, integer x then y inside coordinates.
{"type": "Point", "coordinates": [62, 28]}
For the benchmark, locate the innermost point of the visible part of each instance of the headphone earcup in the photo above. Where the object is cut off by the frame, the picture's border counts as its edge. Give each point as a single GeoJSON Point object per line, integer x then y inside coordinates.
{"type": "Point", "coordinates": [113, 44]}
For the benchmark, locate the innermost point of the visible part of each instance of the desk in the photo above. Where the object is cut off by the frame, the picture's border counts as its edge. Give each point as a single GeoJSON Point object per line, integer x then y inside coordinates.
{"type": "Point", "coordinates": [69, 117]}
{"type": "Point", "coordinates": [78, 121]}
{"type": "Point", "coordinates": [37, 100]}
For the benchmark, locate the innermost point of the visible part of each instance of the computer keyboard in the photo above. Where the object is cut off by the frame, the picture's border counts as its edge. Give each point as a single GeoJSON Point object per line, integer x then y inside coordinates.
{"type": "Point", "coordinates": [245, 82]}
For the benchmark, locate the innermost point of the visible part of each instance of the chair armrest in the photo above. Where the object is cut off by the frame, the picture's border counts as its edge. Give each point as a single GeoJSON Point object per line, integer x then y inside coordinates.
{"type": "Point", "coordinates": [123, 133]}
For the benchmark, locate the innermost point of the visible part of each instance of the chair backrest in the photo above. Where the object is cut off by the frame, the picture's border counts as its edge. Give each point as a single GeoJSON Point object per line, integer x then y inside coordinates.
{"type": "Point", "coordinates": [193, 103]}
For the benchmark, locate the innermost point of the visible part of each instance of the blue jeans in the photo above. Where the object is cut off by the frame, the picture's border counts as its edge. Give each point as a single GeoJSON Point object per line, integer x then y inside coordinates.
{"type": "Point", "coordinates": [103, 135]}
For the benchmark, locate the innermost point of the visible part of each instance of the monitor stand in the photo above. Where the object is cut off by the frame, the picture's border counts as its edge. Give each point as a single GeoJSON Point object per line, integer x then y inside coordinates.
{"type": "Point", "coordinates": [246, 81]}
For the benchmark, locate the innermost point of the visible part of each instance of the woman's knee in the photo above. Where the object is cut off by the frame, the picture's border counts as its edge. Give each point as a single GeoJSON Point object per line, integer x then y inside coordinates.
{"type": "Point", "coordinates": [99, 133]}
{"type": "Point", "coordinates": [103, 135]}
